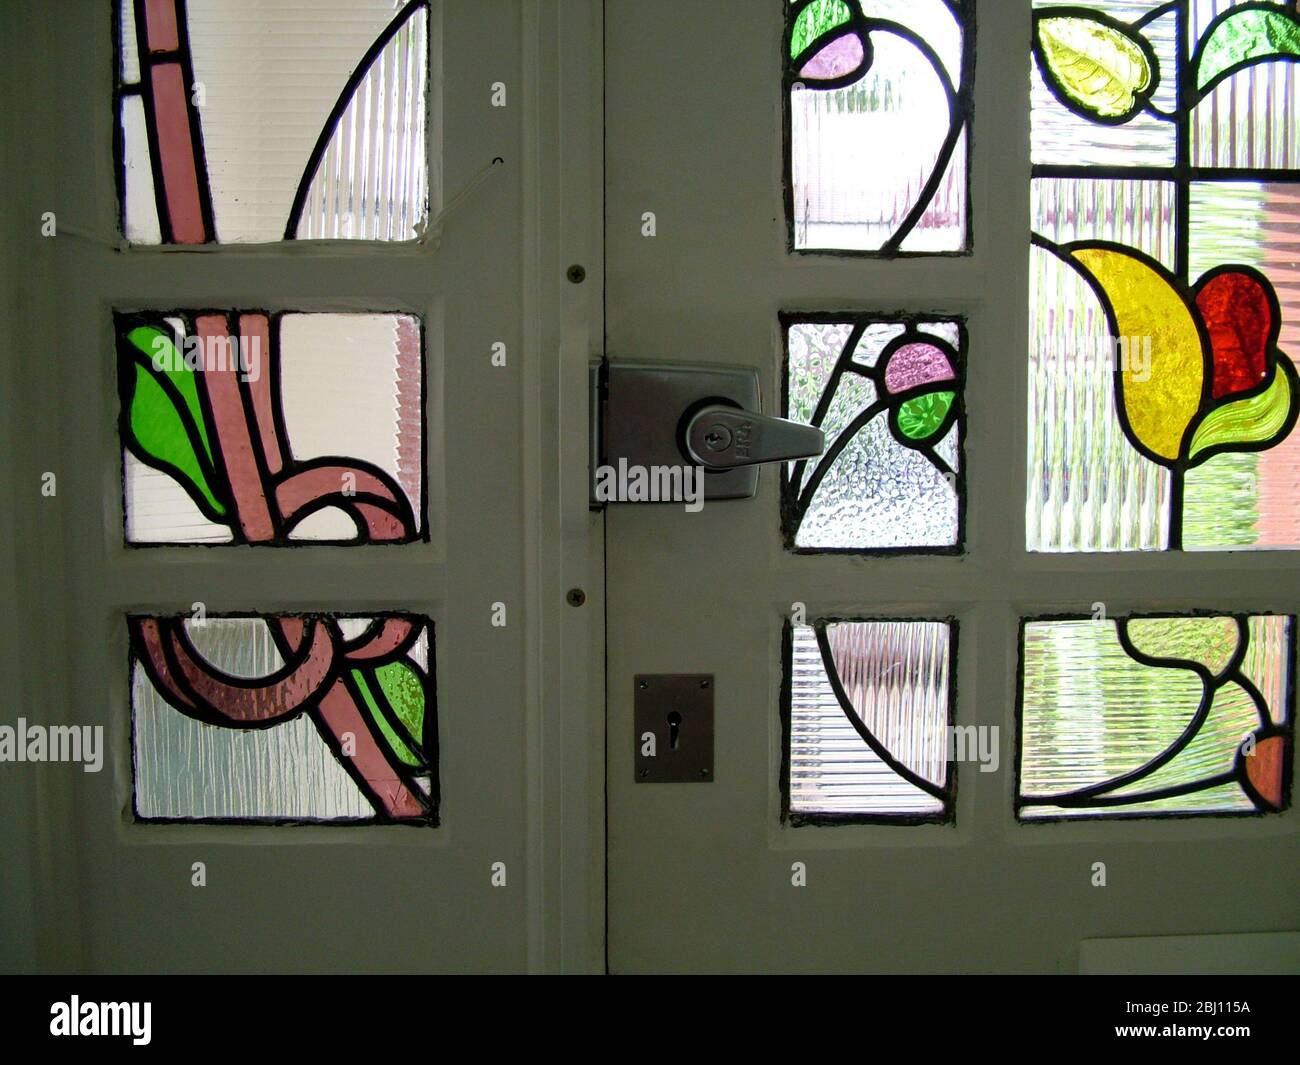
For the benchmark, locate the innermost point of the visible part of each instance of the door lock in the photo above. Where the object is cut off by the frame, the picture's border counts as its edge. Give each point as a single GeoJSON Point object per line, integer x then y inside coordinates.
{"type": "Point", "coordinates": [666, 416]}
{"type": "Point", "coordinates": [722, 438]}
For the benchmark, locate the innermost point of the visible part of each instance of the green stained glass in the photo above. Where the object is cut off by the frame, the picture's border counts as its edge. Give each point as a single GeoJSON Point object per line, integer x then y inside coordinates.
{"type": "Point", "coordinates": [920, 417]}
{"type": "Point", "coordinates": [395, 742]}
{"type": "Point", "coordinates": [1211, 642]}
{"type": "Point", "coordinates": [1254, 420]}
{"type": "Point", "coordinates": [817, 18]}
{"type": "Point", "coordinates": [159, 431]}
{"type": "Point", "coordinates": [404, 690]}
{"type": "Point", "coordinates": [167, 361]}
{"type": "Point", "coordinates": [1251, 34]}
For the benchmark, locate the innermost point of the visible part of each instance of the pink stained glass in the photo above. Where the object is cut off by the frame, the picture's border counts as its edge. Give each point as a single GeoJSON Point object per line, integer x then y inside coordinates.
{"type": "Point", "coordinates": [914, 365]}
{"type": "Point", "coordinates": [838, 58]}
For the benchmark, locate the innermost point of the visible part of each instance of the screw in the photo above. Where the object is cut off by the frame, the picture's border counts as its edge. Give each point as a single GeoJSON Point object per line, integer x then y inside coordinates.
{"type": "Point", "coordinates": [575, 597]}
{"type": "Point", "coordinates": [704, 772]}
{"type": "Point", "coordinates": [576, 274]}
{"type": "Point", "coordinates": [644, 685]}
{"type": "Point", "coordinates": [704, 684]}
{"type": "Point", "coordinates": [645, 773]}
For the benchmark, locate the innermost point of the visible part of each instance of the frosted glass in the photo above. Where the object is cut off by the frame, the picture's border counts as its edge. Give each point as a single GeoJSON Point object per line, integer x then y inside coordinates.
{"type": "Point", "coordinates": [139, 211]}
{"type": "Point", "coordinates": [876, 493]}
{"type": "Point", "coordinates": [848, 194]}
{"type": "Point", "coordinates": [896, 676]}
{"type": "Point", "coordinates": [1091, 713]}
{"type": "Point", "coordinates": [880, 494]}
{"type": "Point", "coordinates": [268, 74]}
{"type": "Point", "coordinates": [350, 387]}
{"type": "Point", "coordinates": [186, 769]}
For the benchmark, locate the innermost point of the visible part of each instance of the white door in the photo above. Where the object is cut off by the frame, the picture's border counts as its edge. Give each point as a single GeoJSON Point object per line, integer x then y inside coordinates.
{"type": "Point", "coordinates": [887, 599]}
{"type": "Point", "coordinates": [297, 601]}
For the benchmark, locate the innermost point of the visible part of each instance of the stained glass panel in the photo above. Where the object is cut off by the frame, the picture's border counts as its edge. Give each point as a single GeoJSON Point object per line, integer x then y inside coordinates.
{"type": "Point", "coordinates": [887, 392]}
{"type": "Point", "coordinates": [327, 718]}
{"type": "Point", "coordinates": [264, 120]}
{"type": "Point", "coordinates": [249, 427]}
{"type": "Point", "coordinates": [1164, 308]}
{"type": "Point", "coordinates": [867, 721]}
{"type": "Point", "coordinates": [1148, 716]}
{"type": "Point", "coordinates": [862, 74]}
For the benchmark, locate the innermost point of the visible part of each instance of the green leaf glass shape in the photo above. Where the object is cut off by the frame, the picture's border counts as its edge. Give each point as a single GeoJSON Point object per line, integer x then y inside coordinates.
{"type": "Point", "coordinates": [1258, 419]}
{"type": "Point", "coordinates": [396, 742]}
{"type": "Point", "coordinates": [163, 418]}
{"type": "Point", "coordinates": [818, 18]}
{"type": "Point", "coordinates": [1102, 70]}
{"type": "Point", "coordinates": [1210, 642]}
{"type": "Point", "coordinates": [1248, 35]}
{"type": "Point", "coordinates": [404, 690]}
{"type": "Point", "coordinates": [919, 418]}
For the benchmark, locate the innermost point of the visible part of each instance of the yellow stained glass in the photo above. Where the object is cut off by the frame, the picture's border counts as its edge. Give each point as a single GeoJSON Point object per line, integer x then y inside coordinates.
{"type": "Point", "coordinates": [1160, 393]}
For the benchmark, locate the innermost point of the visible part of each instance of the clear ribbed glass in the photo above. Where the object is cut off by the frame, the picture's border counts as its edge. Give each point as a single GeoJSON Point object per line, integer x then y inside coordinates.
{"type": "Point", "coordinates": [896, 676]}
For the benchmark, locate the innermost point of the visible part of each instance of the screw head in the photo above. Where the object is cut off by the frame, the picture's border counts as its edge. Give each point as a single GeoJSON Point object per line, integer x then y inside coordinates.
{"type": "Point", "coordinates": [705, 683]}
{"type": "Point", "coordinates": [575, 597]}
{"type": "Point", "coordinates": [645, 773]}
{"type": "Point", "coordinates": [643, 685]}
{"type": "Point", "coordinates": [576, 273]}
{"type": "Point", "coordinates": [704, 773]}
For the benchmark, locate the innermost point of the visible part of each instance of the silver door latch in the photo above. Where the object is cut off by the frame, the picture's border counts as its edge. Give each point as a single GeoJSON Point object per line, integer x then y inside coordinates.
{"type": "Point", "coordinates": [653, 416]}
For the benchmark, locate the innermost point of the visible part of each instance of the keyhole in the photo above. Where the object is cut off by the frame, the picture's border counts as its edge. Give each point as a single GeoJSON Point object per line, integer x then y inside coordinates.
{"type": "Point", "coordinates": [674, 729]}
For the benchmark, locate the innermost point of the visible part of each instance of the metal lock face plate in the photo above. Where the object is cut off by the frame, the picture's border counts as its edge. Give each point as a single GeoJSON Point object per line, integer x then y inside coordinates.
{"type": "Point", "coordinates": [673, 715]}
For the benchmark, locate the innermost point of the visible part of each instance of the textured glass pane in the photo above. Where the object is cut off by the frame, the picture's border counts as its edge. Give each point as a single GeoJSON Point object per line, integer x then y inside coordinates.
{"type": "Point", "coordinates": [1154, 715]}
{"type": "Point", "coordinates": [283, 718]}
{"type": "Point", "coordinates": [1248, 119]}
{"type": "Point", "coordinates": [865, 75]}
{"type": "Point", "coordinates": [887, 394]}
{"type": "Point", "coordinates": [1058, 135]}
{"type": "Point", "coordinates": [276, 119]}
{"type": "Point", "coordinates": [894, 681]}
{"type": "Point", "coordinates": [259, 428]}
{"type": "Point", "coordinates": [1249, 499]}
{"type": "Point", "coordinates": [1088, 489]}
{"type": "Point", "coordinates": [1163, 393]}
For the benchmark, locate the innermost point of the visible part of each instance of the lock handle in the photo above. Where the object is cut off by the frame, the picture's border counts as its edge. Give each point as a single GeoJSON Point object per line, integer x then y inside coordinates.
{"type": "Point", "coordinates": [721, 437]}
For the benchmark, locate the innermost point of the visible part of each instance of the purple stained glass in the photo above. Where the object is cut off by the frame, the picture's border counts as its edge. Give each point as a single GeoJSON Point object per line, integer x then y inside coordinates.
{"type": "Point", "coordinates": [914, 365]}
{"type": "Point", "coordinates": [838, 58]}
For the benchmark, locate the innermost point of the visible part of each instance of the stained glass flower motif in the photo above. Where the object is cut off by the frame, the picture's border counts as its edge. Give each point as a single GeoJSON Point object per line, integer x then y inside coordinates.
{"type": "Point", "coordinates": [276, 718]}
{"type": "Point", "coordinates": [877, 117]}
{"type": "Point", "coordinates": [867, 715]}
{"type": "Point", "coordinates": [257, 428]}
{"type": "Point", "coordinates": [1163, 296]}
{"type": "Point", "coordinates": [1152, 716]}
{"type": "Point", "coordinates": [246, 122]}
{"type": "Point", "coordinates": [887, 394]}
